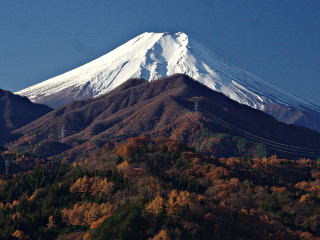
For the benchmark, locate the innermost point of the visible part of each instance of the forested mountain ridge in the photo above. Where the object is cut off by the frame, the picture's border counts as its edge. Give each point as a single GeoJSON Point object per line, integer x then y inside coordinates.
{"type": "Point", "coordinates": [166, 107]}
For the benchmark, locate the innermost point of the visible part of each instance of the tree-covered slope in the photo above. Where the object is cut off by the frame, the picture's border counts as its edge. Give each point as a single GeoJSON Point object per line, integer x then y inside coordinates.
{"type": "Point", "coordinates": [162, 189]}
{"type": "Point", "coordinates": [164, 108]}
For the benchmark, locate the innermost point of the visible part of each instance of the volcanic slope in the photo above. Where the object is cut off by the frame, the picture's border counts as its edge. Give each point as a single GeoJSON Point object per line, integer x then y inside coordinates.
{"type": "Point", "coordinates": [164, 108]}
{"type": "Point", "coordinates": [154, 55]}
{"type": "Point", "coordinates": [17, 111]}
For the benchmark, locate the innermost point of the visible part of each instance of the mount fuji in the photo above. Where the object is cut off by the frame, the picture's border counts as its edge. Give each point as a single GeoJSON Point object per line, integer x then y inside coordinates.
{"type": "Point", "coordinates": [154, 55]}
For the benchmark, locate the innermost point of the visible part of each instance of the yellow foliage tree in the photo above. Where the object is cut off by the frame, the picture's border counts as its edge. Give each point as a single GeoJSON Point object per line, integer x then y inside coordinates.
{"type": "Point", "coordinates": [51, 222]}
{"type": "Point", "coordinates": [156, 205]}
{"type": "Point", "coordinates": [106, 187]}
{"type": "Point", "coordinates": [93, 186]}
{"type": "Point", "coordinates": [97, 223]}
{"type": "Point", "coordinates": [20, 234]}
{"type": "Point", "coordinates": [16, 216]}
{"type": "Point", "coordinates": [304, 198]}
{"type": "Point", "coordinates": [123, 166]}
{"type": "Point", "coordinates": [92, 214]}
{"type": "Point", "coordinates": [86, 213]}
{"type": "Point", "coordinates": [177, 201]}
{"type": "Point", "coordinates": [162, 235]}
{"type": "Point", "coordinates": [87, 236]}
{"type": "Point", "coordinates": [81, 185]}
{"type": "Point", "coordinates": [34, 193]}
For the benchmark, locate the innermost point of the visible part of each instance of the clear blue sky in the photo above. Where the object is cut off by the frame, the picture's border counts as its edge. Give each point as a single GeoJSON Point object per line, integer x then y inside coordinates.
{"type": "Point", "coordinates": [278, 41]}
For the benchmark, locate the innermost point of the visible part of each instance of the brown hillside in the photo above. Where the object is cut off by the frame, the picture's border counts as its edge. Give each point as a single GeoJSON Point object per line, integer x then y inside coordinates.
{"type": "Point", "coordinates": [17, 111]}
{"type": "Point", "coordinates": [164, 108]}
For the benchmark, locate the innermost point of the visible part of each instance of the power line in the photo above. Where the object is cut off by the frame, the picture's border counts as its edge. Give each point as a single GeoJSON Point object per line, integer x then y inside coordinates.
{"type": "Point", "coordinates": [279, 146]}
{"type": "Point", "coordinates": [271, 144]}
{"type": "Point", "coordinates": [295, 150]}
{"type": "Point", "coordinates": [309, 149]}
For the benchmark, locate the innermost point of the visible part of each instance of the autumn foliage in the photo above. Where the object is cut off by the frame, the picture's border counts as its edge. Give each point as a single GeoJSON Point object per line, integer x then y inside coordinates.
{"type": "Point", "coordinates": [86, 213]}
{"type": "Point", "coordinates": [20, 235]}
{"type": "Point", "coordinates": [93, 186]}
{"type": "Point", "coordinates": [145, 189]}
{"type": "Point", "coordinates": [156, 205]}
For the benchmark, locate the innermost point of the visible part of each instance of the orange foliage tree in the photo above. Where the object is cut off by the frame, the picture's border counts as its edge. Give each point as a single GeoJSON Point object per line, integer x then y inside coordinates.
{"type": "Point", "coordinates": [20, 235]}
{"type": "Point", "coordinates": [310, 186]}
{"type": "Point", "coordinates": [178, 200]}
{"type": "Point", "coordinates": [156, 205]}
{"type": "Point", "coordinates": [51, 222]}
{"type": "Point", "coordinates": [86, 213]}
{"type": "Point", "coordinates": [162, 235]}
{"type": "Point", "coordinates": [93, 186]}
{"type": "Point", "coordinates": [132, 145]}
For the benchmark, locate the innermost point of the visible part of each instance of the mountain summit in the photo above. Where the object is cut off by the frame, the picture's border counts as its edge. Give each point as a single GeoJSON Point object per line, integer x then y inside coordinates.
{"type": "Point", "coordinates": [154, 55]}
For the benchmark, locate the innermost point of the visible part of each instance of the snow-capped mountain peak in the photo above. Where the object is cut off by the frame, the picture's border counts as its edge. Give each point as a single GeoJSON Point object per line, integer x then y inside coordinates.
{"type": "Point", "coordinates": [154, 55]}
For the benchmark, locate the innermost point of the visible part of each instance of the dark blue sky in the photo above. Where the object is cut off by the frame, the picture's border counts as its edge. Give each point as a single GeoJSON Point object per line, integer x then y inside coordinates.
{"type": "Point", "coordinates": [278, 41]}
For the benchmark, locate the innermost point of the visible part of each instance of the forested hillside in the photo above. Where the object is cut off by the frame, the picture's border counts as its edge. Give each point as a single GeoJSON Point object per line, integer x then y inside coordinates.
{"type": "Point", "coordinates": [161, 189]}
{"type": "Point", "coordinates": [164, 108]}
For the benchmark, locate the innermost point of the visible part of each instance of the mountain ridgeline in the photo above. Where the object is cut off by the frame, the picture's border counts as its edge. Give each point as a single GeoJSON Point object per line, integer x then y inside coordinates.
{"type": "Point", "coordinates": [177, 107]}
{"type": "Point", "coordinates": [154, 55]}
{"type": "Point", "coordinates": [17, 111]}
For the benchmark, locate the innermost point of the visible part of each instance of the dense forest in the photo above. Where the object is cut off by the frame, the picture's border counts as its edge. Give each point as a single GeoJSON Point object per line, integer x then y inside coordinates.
{"type": "Point", "coordinates": [159, 189]}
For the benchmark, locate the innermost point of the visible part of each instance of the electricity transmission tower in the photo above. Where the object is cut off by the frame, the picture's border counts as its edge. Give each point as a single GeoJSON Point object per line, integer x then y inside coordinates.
{"type": "Point", "coordinates": [62, 134]}
{"type": "Point", "coordinates": [196, 107]}
{"type": "Point", "coordinates": [7, 164]}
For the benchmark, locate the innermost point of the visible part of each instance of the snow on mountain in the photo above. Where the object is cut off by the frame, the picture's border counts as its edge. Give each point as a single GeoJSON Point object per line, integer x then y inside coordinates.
{"type": "Point", "coordinates": [154, 55]}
